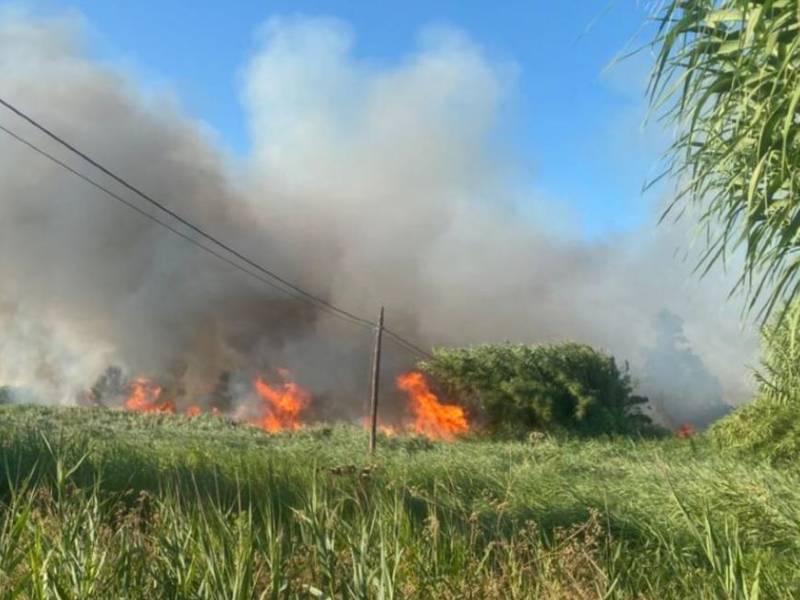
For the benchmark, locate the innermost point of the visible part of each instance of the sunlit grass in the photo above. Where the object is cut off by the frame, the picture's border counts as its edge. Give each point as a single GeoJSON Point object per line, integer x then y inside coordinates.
{"type": "Point", "coordinates": [112, 505]}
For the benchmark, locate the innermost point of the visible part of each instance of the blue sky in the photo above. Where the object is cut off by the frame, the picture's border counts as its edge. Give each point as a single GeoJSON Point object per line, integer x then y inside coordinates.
{"type": "Point", "coordinates": [575, 128]}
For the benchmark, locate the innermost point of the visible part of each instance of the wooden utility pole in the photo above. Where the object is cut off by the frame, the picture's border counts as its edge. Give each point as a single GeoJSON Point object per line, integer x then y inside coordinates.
{"type": "Point", "coordinates": [376, 373]}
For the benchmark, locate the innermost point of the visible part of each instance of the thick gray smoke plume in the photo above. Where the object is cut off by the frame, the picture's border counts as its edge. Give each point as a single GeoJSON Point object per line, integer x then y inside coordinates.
{"type": "Point", "coordinates": [367, 184]}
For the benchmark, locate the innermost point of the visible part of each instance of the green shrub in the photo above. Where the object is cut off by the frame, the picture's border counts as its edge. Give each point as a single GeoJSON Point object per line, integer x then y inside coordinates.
{"type": "Point", "coordinates": [563, 387]}
{"type": "Point", "coordinates": [769, 427]}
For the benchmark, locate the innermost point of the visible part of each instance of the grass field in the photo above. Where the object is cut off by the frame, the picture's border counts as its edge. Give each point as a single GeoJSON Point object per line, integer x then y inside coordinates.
{"type": "Point", "coordinates": [108, 504]}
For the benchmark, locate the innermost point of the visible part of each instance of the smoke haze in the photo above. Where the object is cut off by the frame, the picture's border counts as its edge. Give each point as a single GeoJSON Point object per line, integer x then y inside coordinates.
{"type": "Point", "coordinates": [367, 183]}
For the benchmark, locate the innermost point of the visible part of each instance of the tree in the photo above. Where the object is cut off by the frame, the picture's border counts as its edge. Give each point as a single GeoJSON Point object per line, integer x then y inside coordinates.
{"type": "Point", "coordinates": [569, 387]}
{"type": "Point", "coordinates": [727, 77]}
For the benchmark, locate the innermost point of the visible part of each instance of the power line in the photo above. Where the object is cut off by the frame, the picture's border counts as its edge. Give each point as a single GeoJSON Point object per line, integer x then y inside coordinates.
{"type": "Point", "coordinates": [144, 213]}
{"type": "Point", "coordinates": [317, 300]}
{"type": "Point", "coordinates": [406, 344]}
{"type": "Point", "coordinates": [303, 295]}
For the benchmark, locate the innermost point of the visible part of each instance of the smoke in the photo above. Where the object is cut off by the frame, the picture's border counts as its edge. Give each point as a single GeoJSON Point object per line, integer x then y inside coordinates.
{"type": "Point", "coordinates": [370, 184]}
{"type": "Point", "coordinates": [675, 379]}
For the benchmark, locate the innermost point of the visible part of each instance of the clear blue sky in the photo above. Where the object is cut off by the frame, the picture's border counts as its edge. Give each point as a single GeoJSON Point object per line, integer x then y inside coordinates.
{"type": "Point", "coordinates": [574, 126]}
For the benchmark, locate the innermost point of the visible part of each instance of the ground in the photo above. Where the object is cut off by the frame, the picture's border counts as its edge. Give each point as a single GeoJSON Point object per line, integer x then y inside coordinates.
{"type": "Point", "coordinates": [107, 504]}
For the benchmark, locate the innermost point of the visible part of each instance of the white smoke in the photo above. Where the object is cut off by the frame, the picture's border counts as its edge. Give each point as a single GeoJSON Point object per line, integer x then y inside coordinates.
{"type": "Point", "coordinates": [368, 184]}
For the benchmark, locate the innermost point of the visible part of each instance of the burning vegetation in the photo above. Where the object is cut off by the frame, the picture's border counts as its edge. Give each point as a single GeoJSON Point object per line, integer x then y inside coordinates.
{"type": "Point", "coordinates": [431, 418]}
{"type": "Point", "coordinates": [283, 405]}
{"type": "Point", "coordinates": [145, 397]}
{"type": "Point", "coordinates": [193, 411]}
{"type": "Point", "coordinates": [510, 390]}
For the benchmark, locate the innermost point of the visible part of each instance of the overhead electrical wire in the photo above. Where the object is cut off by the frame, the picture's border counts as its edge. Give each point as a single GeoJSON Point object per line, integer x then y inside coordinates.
{"type": "Point", "coordinates": [282, 284]}
{"type": "Point", "coordinates": [179, 218]}
{"type": "Point", "coordinates": [406, 344]}
{"type": "Point", "coordinates": [144, 213]}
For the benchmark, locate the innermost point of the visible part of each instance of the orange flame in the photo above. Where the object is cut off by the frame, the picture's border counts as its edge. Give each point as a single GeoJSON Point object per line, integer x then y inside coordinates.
{"type": "Point", "coordinates": [387, 430]}
{"type": "Point", "coordinates": [193, 411]}
{"type": "Point", "coordinates": [196, 411]}
{"type": "Point", "coordinates": [432, 418]}
{"type": "Point", "coordinates": [685, 431]}
{"type": "Point", "coordinates": [281, 404]}
{"type": "Point", "coordinates": [144, 397]}
{"type": "Point", "coordinates": [384, 428]}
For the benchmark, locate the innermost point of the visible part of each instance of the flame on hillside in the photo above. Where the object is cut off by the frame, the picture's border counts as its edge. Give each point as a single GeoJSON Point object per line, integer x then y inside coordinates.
{"type": "Point", "coordinates": [432, 418]}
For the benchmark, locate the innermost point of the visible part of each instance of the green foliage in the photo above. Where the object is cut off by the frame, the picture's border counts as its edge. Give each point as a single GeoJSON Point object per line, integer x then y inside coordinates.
{"type": "Point", "coordinates": [779, 377]}
{"type": "Point", "coordinates": [5, 394]}
{"type": "Point", "coordinates": [769, 427]}
{"type": "Point", "coordinates": [569, 387]}
{"type": "Point", "coordinates": [764, 428]}
{"type": "Point", "coordinates": [112, 505]}
{"type": "Point", "coordinates": [727, 79]}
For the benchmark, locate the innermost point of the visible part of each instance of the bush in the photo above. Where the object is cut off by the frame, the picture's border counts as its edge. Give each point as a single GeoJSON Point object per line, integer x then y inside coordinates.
{"type": "Point", "coordinates": [565, 387]}
{"type": "Point", "coordinates": [769, 427]}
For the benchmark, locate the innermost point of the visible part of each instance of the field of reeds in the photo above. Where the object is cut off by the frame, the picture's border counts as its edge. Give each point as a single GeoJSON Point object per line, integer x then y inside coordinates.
{"type": "Point", "coordinates": [97, 503]}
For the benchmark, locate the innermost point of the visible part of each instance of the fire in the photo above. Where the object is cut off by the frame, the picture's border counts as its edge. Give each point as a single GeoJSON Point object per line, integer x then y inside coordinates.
{"type": "Point", "coordinates": [145, 397]}
{"type": "Point", "coordinates": [196, 411]}
{"type": "Point", "coordinates": [387, 430]}
{"type": "Point", "coordinates": [281, 404]}
{"type": "Point", "coordinates": [432, 418]}
{"type": "Point", "coordinates": [384, 428]}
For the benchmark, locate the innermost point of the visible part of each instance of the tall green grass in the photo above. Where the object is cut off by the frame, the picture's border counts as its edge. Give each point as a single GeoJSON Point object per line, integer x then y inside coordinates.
{"type": "Point", "coordinates": [102, 504]}
{"type": "Point", "coordinates": [768, 427]}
